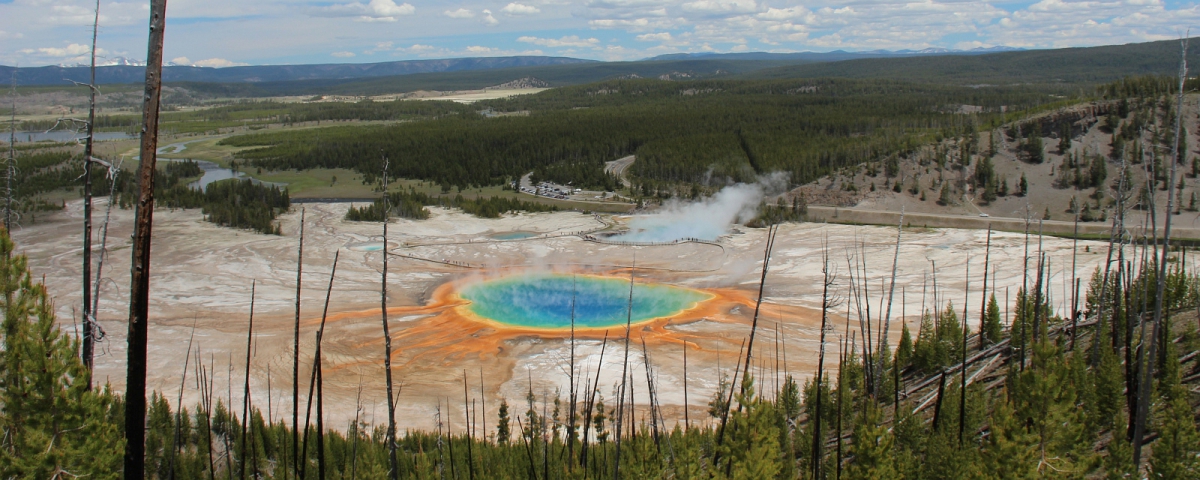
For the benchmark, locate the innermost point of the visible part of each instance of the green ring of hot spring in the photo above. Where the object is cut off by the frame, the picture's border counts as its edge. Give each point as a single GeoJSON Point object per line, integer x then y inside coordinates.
{"type": "Point", "coordinates": [544, 300]}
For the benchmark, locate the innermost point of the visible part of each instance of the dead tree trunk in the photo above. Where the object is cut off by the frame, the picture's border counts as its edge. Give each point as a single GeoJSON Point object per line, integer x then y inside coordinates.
{"type": "Point", "coordinates": [393, 463]}
{"type": "Point", "coordinates": [1147, 373]}
{"type": "Point", "coordinates": [88, 315]}
{"type": "Point", "coordinates": [296, 355]}
{"type": "Point", "coordinates": [315, 382]}
{"type": "Point", "coordinates": [10, 169]}
{"type": "Point", "coordinates": [983, 304]}
{"type": "Point", "coordinates": [962, 394]}
{"type": "Point", "coordinates": [591, 399]}
{"type": "Point", "coordinates": [687, 424]}
{"type": "Point", "coordinates": [97, 332]}
{"type": "Point", "coordinates": [139, 292]}
{"type": "Point", "coordinates": [178, 443]}
{"type": "Point", "coordinates": [624, 375]}
{"type": "Point", "coordinates": [827, 302]}
{"type": "Point", "coordinates": [354, 430]}
{"type": "Point", "coordinates": [727, 407]}
{"type": "Point", "coordinates": [840, 401]}
{"type": "Point", "coordinates": [571, 433]}
{"type": "Point", "coordinates": [469, 428]}
{"type": "Point", "coordinates": [887, 314]}
{"type": "Point", "coordinates": [762, 281]}
{"type": "Point", "coordinates": [246, 388]}
{"type": "Point", "coordinates": [650, 393]}
{"type": "Point", "coordinates": [1118, 232]}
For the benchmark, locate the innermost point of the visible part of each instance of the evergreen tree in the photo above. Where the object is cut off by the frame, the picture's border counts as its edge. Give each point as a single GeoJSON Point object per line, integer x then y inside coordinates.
{"type": "Point", "coordinates": [1118, 464]}
{"type": "Point", "coordinates": [945, 198]}
{"type": "Point", "coordinates": [1046, 397]}
{"type": "Point", "coordinates": [503, 434]}
{"type": "Point", "coordinates": [753, 442]}
{"type": "Point", "coordinates": [925, 351]}
{"type": "Point", "coordinates": [789, 399]}
{"type": "Point", "coordinates": [1177, 452]}
{"type": "Point", "coordinates": [1097, 172]}
{"type": "Point", "coordinates": [991, 331]}
{"type": "Point", "coordinates": [718, 406]}
{"type": "Point", "coordinates": [53, 425]}
{"type": "Point", "coordinates": [1109, 390]}
{"type": "Point", "coordinates": [1034, 149]}
{"type": "Point", "coordinates": [599, 420]}
{"type": "Point", "coordinates": [904, 351]}
{"type": "Point", "coordinates": [1064, 138]}
{"type": "Point", "coordinates": [949, 331]}
{"type": "Point", "coordinates": [872, 447]}
{"type": "Point", "coordinates": [1010, 451]}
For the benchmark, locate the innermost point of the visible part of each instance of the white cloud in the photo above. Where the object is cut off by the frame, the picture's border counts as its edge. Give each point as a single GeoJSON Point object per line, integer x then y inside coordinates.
{"type": "Point", "coordinates": [721, 6]}
{"type": "Point", "coordinates": [568, 41]}
{"type": "Point", "coordinates": [482, 51]}
{"type": "Point", "coordinates": [519, 9]}
{"type": "Point", "coordinates": [790, 13]}
{"type": "Point", "coordinates": [219, 63]}
{"type": "Point", "coordinates": [375, 11]}
{"type": "Point", "coordinates": [655, 37]}
{"type": "Point", "coordinates": [418, 48]}
{"type": "Point", "coordinates": [379, 47]}
{"type": "Point", "coordinates": [39, 32]}
{"type": "Point", "coordinates": [636, 24]}
{"type": "Point", "coordinates": [489, 19]}
{"type": "Point", "coordinates": [343, 54]}
{"type": "Point", "coordinates": [181, 61]}
{"type": "Point", "coordinates": [618, 4]}
{"type": "Point", "coordinates": [72, 50]}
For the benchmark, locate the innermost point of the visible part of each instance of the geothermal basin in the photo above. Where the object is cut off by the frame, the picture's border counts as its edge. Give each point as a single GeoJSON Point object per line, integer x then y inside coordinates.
{"type": "Point", "coordinates": [462, 301]}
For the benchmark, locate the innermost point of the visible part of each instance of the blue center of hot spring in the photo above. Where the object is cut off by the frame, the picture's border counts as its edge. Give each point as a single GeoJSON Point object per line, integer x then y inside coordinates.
{"type": "Point", "coordinates": [544, 300]}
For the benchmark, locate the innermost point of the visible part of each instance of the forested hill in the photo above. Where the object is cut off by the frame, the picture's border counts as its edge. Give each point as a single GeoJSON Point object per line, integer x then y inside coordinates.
{"type": "Point", "coordinates": [1090, 65]}
{"type": "Point", "coordinates": [681, 132]}
{"type": "Point", "coordinates": [554, 75]}
{"type": "Point", "coordinates": [58, 75]}
{"type": "Point", "coordinates": [1068, 65]}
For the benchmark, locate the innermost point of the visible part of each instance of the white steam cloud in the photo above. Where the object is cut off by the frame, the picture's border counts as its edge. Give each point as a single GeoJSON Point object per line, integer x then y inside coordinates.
{"type": "Point", "coordinates": [706, 219]}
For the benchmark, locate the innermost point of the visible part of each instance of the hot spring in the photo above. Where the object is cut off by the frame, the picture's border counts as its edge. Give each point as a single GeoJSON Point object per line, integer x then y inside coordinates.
{"type": "Point", "coordinates": [367, 246]}
{"type": "Point", "coordinates": [513, 235]}
{"type": "Point", "coordinates": [544, 300]}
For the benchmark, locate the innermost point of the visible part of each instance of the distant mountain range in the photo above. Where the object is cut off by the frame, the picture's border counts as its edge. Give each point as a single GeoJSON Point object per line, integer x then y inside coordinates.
{"type": "Point", "coordinates": [111, 62]}
{"type": "Point", "coordinates": [834, 56]}
{"type": "Point", "coordinates": [1082, 65]}
{"type": "Point", "coordinates": [981, 66]}
{"type": "Point", "coordinates": [123, 70]}
{"type": "Point", "coordinates": [126, 70]}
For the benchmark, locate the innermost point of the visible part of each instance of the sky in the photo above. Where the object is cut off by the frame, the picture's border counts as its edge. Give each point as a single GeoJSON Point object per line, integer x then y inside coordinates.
{"type": "Point", "coordinates": [219, 33]}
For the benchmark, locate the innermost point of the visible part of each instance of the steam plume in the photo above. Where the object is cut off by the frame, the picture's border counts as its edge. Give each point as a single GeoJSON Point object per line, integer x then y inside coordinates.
{"type": "Point", "coordinates": [706, 219]}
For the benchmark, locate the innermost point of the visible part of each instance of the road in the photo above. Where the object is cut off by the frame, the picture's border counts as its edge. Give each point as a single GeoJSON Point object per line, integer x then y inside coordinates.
{"type": "Point", "coordinates": [618, 167]}
{"type": "Point", "coordinates": [1012, 224]}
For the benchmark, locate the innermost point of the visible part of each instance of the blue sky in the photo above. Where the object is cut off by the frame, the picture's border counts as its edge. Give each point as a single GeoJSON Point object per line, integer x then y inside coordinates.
{"type": "Point", "coordinates": [225, 32]}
